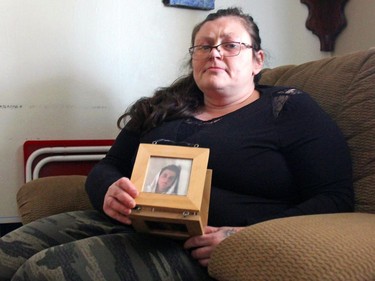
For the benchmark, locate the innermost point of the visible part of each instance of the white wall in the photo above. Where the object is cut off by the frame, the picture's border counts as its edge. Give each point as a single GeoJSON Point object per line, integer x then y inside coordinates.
{"type": "Point", "coordinates": [69, 68]}
{"type": "Point", "coordinates": [282, 28]}
{"type": "Point", "coordinates": [360, 32]}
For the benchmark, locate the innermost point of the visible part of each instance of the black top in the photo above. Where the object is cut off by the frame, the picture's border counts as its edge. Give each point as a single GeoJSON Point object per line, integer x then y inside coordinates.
{"type": "Point", "coordinates": [279, 156]}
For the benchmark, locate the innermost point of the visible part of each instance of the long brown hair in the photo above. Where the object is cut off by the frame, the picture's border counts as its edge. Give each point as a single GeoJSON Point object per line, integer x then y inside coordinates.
{"type": "Point", "coordinates": [183, 97]}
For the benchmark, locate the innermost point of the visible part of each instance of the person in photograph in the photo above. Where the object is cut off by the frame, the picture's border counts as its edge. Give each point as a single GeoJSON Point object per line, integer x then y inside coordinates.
{"type": "Point", "coordinates": [274, 153]}
{"type": "Point", "coordinates": [166, 181]}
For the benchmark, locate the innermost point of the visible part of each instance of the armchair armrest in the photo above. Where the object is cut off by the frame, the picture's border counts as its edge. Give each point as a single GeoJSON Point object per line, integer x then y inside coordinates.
{"type": "Point", "coordinates": [52, 195]}
{"type": "Point", "coordinates": [315, 247]}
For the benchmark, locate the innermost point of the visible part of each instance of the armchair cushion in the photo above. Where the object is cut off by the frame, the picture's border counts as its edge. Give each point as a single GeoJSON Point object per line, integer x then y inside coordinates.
{"type": "Point", "coordinates": [315, 247]}
{"type": "Point", "coordinates": [344, 87]}
{"type": "Point", "coordinates": [52, 195]}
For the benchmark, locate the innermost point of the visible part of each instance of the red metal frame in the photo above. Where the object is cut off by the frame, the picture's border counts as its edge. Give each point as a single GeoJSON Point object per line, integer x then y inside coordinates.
{"type": "Point", "coordinates": [62, 168]}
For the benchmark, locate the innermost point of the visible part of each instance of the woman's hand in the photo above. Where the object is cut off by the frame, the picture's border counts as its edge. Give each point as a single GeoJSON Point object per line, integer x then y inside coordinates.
{"type": "Point", "coordinates": [202, 246]}
{"type": "Point", "coordinates": [119, 200]}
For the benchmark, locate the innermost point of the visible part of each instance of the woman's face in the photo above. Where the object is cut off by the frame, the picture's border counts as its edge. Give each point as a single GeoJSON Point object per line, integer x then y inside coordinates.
{"type": "Point", "coordinates": [217, 73]}
{"type": "Point", "coordinates": [166, 179]}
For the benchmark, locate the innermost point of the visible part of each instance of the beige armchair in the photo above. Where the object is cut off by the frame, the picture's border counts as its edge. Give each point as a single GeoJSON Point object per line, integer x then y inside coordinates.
{"type": "Point", "coordinates": [315, 247]}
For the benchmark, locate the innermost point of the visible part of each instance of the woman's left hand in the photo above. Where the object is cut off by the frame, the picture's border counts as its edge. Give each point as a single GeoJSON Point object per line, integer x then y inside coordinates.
{"type": "Point", "coordinates": [202, 246]}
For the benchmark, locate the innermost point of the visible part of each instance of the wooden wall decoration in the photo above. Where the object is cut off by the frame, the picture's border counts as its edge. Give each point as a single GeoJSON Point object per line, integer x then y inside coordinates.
{"type": "Point", "coordinates": [326, 19]}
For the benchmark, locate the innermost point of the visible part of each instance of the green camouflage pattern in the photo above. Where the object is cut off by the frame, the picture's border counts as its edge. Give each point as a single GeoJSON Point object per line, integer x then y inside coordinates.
{"type": "Point", "coordinates": [87, 245]}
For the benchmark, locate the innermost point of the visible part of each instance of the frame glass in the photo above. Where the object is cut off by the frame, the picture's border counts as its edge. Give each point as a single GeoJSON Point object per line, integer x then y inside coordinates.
{"type": "Point", "coordinates": [181, 210]}
{"type": "Point", "coordinates": [168, 176]}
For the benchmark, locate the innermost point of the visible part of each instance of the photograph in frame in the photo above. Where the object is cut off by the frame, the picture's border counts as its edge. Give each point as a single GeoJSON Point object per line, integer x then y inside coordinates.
{"type": "Point", "coordinates": [168, 176]}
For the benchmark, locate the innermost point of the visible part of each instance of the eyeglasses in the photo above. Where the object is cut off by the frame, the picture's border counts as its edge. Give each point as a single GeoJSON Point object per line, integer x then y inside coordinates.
{"type": "Point", "coordinates": [227, 49]}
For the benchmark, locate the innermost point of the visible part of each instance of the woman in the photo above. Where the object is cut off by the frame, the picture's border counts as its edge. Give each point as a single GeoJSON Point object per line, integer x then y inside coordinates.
{"type": "Point", "coordinates": [166, 181]}
{"type": "Point", "coordinates": [273, 151]}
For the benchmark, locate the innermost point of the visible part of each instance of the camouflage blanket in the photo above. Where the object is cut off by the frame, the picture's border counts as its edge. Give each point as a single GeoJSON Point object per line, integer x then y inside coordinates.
{"type": "Point", "coordinates": [86, 245]}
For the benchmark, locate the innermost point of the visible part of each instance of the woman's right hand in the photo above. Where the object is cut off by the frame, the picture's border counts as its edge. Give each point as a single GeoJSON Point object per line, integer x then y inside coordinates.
{"type": "Point", "coordinates": [119, 200]}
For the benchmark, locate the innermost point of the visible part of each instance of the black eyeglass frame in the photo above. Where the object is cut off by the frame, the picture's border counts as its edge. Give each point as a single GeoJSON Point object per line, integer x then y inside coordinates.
{"type": "Point", "coordinates": [192, 49]}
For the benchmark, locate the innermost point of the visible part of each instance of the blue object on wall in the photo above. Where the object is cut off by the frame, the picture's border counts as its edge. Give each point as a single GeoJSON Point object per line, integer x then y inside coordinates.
{"type": "Point", "coordinates": [192, 4]}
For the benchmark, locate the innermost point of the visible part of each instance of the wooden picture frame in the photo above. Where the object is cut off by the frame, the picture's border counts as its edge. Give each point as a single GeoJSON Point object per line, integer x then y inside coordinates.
{"type": "Point", "coordinates": [180, 213]}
